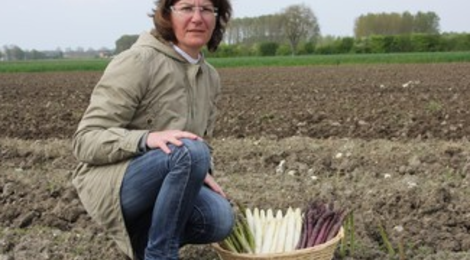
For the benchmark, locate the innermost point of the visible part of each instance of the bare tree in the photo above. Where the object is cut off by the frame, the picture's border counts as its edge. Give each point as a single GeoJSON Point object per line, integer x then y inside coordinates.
{"type": "Point", "coordinates": [299, 23]}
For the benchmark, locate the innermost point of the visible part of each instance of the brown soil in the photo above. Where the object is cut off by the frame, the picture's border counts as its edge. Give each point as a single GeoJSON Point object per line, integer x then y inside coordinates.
{"type": "Point", "coordinates": [388, 142]}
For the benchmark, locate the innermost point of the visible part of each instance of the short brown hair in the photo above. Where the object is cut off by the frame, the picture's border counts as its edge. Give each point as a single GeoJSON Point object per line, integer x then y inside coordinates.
{"type": "Point", "coordinates": [162, 21]}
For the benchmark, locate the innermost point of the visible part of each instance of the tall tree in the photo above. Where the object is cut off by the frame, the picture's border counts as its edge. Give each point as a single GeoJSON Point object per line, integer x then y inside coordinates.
{"type": "Point", "coordinates": [426, 23]}
{"type": "Point", "coordinates": [299, 23]}
{"type": "Point", "coordinates": [125, 42]}
{"type": "Point", "coordinates": [233, 33]}
{"type": "Point", "coordinates": [406, 25]}
{"type": "Point", "coordinates": [253, 30]}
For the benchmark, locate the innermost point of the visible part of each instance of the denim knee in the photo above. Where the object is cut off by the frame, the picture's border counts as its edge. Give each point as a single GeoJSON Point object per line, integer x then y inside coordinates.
{"type": "Point", "coordinates": [212, 219]}
{"type": "Point", "coordinates": [226, 220]}
{"type": "Point", "coordinates": [196, 147]}
{"type": "Point", "coordinates": [198, 150]}
{"type": "Point", "coordinates": [198, 154]}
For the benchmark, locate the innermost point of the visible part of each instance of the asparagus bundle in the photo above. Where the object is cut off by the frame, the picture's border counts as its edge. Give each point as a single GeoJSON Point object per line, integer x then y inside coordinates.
{"type": "Point", "coordinates": [321, 222]}
{"type": "Point", "coordinates": [260, 231]}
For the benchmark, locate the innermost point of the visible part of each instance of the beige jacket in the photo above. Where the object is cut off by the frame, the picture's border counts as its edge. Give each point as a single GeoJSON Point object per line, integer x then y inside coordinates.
{"type": "Point", "coordinates": [146, 88]}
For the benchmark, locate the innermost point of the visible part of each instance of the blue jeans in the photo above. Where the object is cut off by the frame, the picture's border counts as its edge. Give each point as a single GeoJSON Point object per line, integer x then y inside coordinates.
{"type": "Point", "coordinates": [166, 205]}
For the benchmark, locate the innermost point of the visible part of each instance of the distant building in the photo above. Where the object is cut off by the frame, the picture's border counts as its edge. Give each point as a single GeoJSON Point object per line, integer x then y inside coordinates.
{"type": "Point", "coordinates": [106, 54]}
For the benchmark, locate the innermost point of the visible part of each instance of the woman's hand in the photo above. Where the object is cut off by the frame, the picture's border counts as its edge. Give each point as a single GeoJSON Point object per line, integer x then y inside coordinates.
{"type": "Point", "coordinates": [161, 139]}
{"type": "Point", "coordinates": [210, 182]}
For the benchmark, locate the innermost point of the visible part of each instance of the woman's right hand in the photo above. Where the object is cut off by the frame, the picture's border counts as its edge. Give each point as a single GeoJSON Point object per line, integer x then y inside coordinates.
{"type": "Point", "coordinates": [160, 140]}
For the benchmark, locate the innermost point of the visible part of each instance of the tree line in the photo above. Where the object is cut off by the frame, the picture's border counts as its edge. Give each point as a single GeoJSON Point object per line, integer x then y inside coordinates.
{"type": "Point", "coordinates": [445, 42]}
{"type": "Point", "coordinates": [15, 53]}
{"type": "Point", "coordinates": [373, 33]}
{"type": "Point", "coordinates": [296, 31]}
{"type": "Point", "coordinates": [396, 24]}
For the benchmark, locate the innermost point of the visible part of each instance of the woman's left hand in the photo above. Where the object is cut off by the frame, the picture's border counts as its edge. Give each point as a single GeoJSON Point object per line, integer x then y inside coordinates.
{"type": "Point", "coordinates": [209, 181]}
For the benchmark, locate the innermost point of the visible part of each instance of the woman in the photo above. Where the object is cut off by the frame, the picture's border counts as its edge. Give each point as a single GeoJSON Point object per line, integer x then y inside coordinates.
{"type": "Point", "coordinates": [144, 166]}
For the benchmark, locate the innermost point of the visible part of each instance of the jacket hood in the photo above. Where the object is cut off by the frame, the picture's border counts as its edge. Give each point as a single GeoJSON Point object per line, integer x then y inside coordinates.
{"type": "Point", "coordinates": [148, 40]}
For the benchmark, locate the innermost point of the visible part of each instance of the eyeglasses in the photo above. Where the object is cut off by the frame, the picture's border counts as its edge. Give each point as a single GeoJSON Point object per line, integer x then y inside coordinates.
{"type": "Point", "coordinates": [188, 11]}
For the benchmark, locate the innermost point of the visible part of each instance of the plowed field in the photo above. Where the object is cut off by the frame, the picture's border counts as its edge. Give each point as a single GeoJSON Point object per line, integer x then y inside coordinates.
{"type": "Point", "coordinates": [388, 142]}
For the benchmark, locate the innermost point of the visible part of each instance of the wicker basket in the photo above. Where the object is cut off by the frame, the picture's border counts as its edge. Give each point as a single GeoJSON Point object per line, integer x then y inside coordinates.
{"type": "Point", "coordinates": [323, 251]}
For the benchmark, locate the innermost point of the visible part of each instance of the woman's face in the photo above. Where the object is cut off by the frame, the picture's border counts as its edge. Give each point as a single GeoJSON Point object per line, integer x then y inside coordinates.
{"type": "Point", "coordinates": [193, 23]}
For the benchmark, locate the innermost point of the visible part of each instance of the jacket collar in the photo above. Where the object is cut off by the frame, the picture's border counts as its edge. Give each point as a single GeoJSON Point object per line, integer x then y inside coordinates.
{"type": "Point", "coordinates": [155, 41]}
{"type": "Point", "coordinates": [186, 55]}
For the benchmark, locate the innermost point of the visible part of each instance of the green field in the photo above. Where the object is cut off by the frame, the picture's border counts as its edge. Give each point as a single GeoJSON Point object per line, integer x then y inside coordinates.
{"type": "Point", "coordinates": [310, 60]}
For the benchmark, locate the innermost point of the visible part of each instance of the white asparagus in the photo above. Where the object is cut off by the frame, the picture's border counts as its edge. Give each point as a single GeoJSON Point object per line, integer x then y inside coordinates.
{"type": "Point", "coordinates": [277, 225]}
{"type": "Point", "coordinates": [269, 214]}
{"type": "Point", "coordinates": [290, 227]}
{"type": "Point", "coordinates": [298, 227]}
{"type": "Point", "coordinates": [257, 229]}
{"type": "Point", "coordinates": [268, 236]}
{"type": "Point", "coordinates": [262, 214]}
{"type": "Point", "coordinates": [282, 232]}
{"type": "Point", "coordinates": [274, 233]}
{"type": "Point", "coordinates": [249, 220]}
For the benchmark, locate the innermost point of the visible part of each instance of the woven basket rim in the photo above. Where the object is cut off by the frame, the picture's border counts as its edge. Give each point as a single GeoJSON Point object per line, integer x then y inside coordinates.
{"type": "Point", "coordinates": [308, 250]}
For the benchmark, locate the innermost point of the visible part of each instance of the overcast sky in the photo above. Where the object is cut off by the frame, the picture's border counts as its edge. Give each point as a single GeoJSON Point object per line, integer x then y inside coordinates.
{"type": "Point", "coordinates": [51, 24]}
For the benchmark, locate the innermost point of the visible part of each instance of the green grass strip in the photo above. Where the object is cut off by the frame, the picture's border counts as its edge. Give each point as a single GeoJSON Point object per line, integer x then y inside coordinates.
{"type": "Point", "coordinates": [54, 65]}
{"type": "Point", "coordinates": [301, 60]}
{"type": "Point", "coordinates": [338, 59]}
